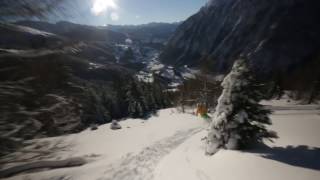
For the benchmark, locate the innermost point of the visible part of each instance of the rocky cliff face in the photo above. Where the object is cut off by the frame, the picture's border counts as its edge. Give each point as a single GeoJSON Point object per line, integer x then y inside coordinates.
{"type": "Point", "coordinates": [274, 35]}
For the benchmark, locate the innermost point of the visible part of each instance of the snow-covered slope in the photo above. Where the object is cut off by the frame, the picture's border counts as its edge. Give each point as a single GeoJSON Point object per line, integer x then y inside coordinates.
{"type": "Point", "coordinates": [128, 153]}
{"type": "Point", "coordinates": [169, 146]}
{"type": "Point", "coordinates": [295, 155]}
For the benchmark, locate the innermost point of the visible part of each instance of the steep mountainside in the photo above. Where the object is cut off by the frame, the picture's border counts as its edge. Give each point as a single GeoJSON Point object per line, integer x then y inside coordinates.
{"type": "Point", "coordinates": [18, 39]}
{"type": "Point", "coordinates": [274, 35]}
{"type": "Point", "coordinates": [21, 37]}
{"type": "Point", "coordinates": [54, 94]}
{"type": "Point", "coordinates": [57, 85]}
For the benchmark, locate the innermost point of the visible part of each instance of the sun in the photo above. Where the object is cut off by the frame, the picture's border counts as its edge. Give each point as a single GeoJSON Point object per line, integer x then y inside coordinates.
{"type": "Point", "coordinates": [101, 6]}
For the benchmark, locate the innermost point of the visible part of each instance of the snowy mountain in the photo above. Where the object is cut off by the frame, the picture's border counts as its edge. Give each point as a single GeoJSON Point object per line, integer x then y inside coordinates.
{"type": "Point", "coordinates": [136, 47]}
{"type": "Point", "coordinates": [275, 35]}
{"type": "Point", "coordinates": [144, 102]}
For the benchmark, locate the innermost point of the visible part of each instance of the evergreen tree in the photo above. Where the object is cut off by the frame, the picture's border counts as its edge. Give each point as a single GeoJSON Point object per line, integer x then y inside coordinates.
{"type": "Point", "coordinates": [314, 92]}
{"type": "Point", "coordinates": [119, 101]}
{"type": "Point", "coordinates": [239, 119]}
{"type": "Point", "coordinates": [150, 101]}
{"type": "Point", "coordinates": [135, 100]}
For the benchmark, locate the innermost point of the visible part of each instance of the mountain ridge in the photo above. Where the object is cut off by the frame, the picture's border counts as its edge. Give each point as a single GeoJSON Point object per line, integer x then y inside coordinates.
{"type": "Point", "coordinates": [273, 35]}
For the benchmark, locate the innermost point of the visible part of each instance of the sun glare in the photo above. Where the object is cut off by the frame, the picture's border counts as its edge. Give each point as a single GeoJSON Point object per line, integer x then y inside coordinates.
{"type": "Point", "coordinates": [101, 6]}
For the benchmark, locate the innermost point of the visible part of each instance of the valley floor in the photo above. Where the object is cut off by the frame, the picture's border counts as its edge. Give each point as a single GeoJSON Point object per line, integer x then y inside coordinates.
{"type": "Point", "coordinates": [168, 146]}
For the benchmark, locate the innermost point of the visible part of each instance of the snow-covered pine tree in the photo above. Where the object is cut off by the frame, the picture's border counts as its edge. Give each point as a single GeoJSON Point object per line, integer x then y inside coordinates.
{"type": "Point", "coordinates": [239, 119]}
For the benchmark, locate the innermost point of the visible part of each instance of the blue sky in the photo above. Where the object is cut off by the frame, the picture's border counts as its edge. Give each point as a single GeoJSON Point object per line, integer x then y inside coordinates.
{"type": "Point", "coordinates": [102, 12]}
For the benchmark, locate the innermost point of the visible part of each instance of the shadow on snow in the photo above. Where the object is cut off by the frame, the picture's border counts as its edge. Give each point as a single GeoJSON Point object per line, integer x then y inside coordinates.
{"type": "Point", "coordinates": [300, 156]}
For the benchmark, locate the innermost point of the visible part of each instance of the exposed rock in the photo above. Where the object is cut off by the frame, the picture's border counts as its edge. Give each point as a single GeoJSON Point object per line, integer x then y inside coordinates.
{"type": "Point", "coordinates": [93, 127]}
{"type": "Point", "coordinates": [115, 125]}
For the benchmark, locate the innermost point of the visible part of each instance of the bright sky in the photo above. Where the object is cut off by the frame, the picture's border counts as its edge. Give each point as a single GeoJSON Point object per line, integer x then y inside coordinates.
{"type": "Point", "coordinates": [101, 12]}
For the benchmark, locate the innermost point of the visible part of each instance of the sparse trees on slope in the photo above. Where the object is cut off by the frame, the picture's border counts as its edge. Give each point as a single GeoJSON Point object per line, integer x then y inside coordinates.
{"type": "Point", "coordinates": [239, 119]}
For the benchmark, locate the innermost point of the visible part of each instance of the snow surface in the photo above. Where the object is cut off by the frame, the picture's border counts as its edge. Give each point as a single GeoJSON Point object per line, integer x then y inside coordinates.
{"type": "Point", "coordinates": [170, 146]}
{"type": "Point", "coordinates": [129, 153]}
{"type": "Point", "coordinates": [294, 156]}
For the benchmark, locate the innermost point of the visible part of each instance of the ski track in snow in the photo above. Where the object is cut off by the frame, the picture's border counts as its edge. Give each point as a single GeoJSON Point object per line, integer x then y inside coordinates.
{"type": "Point", "coordinates": [140, 166]}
